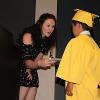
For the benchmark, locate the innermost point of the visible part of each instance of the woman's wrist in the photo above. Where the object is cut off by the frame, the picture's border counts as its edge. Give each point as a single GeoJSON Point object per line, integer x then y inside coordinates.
{"type": "Point", "coordinates": [37, 64]}
{"type": "Point", "coordinates": [28, 70]}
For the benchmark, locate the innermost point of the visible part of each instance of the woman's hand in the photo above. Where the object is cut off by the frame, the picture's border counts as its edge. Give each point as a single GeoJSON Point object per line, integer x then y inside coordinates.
{"type": "Point", "coordinates": [45, 62]}
{"type": "Point", "coordinates": [39, 62]}
{"type": "Point", "coordinates": [29, 77]}
{"type": "Point", "coordinates": [69, 89]}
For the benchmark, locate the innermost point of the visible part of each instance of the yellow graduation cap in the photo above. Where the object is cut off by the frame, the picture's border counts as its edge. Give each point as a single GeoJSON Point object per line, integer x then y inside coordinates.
{"type": "Point", "coordinates": [84, 17]}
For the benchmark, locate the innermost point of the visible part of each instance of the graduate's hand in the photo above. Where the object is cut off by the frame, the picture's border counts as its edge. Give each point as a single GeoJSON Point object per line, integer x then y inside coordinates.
{"type": "Point", "coordinates": [69, 89]}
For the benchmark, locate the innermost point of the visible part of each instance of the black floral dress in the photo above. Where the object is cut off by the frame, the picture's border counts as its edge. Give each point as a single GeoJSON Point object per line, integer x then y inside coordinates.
{"type": "Point", "coordinates": [30, 52]}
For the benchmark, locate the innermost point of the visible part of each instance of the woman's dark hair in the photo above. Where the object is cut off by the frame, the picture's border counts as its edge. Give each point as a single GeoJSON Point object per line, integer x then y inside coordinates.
{"type": "Point", "coordinates": [44, 17]}
{"type": "Point", "coordinates": [39, 24]}
{"type": "Point", "coordinates": [36, 29]}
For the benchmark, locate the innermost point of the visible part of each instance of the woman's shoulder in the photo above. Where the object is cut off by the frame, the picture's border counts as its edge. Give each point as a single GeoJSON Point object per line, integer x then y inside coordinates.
{"type": "Point", "coordinates": [27, 38]}
{"type": "Point", "coordinates": [28, 35]}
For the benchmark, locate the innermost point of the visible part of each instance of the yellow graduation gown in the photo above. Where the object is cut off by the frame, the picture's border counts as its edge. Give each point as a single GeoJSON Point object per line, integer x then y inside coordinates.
{"type": "Point", "coordinates": [80, 65]}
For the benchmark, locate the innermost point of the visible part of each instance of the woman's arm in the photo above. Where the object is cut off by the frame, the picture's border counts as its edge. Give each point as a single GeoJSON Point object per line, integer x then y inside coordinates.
{"type": "Point", "coordinates": [39, 61]}
{"type": "Point", "coordinates": [34, 64]}
{"type": "Point", "coordinates": [27, 40]}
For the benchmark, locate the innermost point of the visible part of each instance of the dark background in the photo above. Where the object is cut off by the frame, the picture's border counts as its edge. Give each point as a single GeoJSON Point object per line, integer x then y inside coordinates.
{"type": "Point", "coordinates": [64, 15]}
{"type": "Point", "coordinates": [14, 16]}
{"type": "Point", "coordinates": [18, 14]}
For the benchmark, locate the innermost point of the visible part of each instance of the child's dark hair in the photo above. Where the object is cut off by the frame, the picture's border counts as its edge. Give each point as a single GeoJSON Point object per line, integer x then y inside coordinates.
{"type": "Point", "coordinates": [84, 26]}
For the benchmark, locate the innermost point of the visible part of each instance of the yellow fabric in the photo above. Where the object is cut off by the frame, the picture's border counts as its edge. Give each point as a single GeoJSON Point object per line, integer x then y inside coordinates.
{"type": "Point", "coordinates": [99, 84]}
{"type": "Point", "coordinates": [99, 92]}
{"type": "Point", "coordinates": [84, 17]}
{"type": "Point", "coordinates": [80, 65]}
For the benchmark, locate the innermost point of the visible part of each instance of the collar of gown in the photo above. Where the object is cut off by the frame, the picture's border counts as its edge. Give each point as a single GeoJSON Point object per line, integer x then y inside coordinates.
{"type": "Point", "coordinates": [85, 32]}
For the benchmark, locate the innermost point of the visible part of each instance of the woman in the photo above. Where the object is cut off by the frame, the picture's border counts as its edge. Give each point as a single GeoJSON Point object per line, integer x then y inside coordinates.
{"type": "Point", "coordinates": [34, 43]}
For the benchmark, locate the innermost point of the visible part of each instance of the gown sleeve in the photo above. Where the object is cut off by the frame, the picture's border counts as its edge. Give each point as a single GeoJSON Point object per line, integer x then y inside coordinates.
{"type": "Point", "coordinates": [73, 63]}
{"type": "Point", "coordinates": [98, 68]}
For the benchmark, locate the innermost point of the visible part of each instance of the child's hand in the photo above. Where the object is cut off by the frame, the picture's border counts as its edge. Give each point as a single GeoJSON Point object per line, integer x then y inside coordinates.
{"type": "Point", "coordinates": [69, 89]}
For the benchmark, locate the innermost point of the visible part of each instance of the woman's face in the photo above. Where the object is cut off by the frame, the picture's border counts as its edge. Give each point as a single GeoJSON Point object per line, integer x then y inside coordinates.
{"type": "Point", "coordinates": [47, 27]}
